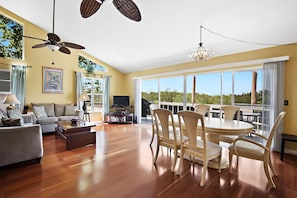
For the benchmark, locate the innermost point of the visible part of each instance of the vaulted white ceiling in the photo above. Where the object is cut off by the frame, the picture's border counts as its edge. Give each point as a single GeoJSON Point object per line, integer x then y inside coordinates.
{"type": "Point", "coordinates": [169, 29]}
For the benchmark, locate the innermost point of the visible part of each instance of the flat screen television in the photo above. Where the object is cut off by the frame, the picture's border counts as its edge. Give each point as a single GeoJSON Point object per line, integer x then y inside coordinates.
{"type": "Point", "coordinates": [121, 101]}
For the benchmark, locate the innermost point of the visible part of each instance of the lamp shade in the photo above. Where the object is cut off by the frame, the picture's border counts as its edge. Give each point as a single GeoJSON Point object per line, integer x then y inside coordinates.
{"type": "Point", "coordinates": [11, 99]}
{"type": "Point", "coordinates": [84, 97]}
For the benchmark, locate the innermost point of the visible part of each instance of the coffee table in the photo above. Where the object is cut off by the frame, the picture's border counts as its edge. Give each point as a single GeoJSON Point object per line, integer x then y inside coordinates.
{"type": "Point", "coordinates": [76, 135]}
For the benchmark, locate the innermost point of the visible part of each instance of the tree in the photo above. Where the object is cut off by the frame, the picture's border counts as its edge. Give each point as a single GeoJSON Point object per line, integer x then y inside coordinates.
{"type": "Point", "coordinates": [11, 41]}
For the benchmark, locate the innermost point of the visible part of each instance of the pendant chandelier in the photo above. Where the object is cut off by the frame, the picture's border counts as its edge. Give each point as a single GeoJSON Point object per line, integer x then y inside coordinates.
{"type": "Point", "coordinates": [202, 53]}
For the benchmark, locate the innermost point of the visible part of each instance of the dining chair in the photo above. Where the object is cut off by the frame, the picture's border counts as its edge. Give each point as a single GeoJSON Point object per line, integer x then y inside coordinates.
{"type": "Point", "coordinates": [251, 149]}
{"type": "Point", "coordinates": [202, 109]}
{"type": "Point", "coordinates": [195, 147]}
{"type": "Point", "coordinates": [229, 112]}
{"type": "Point", "coordinates": [152, 107]}
{"type": "Point", "coordinates": [166, 133]}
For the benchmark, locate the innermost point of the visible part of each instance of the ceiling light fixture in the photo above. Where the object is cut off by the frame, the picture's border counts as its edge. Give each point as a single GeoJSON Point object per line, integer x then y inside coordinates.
{"type": "Point", "coordinates": [201, 53]}
{"type": "Point", "coordinates": [53, 47]}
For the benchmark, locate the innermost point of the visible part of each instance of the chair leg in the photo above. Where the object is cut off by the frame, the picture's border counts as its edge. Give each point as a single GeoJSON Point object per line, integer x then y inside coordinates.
{"type": "Point", "coordinates": [230, 159]}
{"type": "Point", "coordinates": [180, 167]}
{"type": "Point", "coordinates": [174, 161]}
{"type": "Point", "coordinates": [271, 166]}
{"type": "Point", "coordinates": [203, 173]}
{"type": "Point", "coordinates": [157, 153]}
{"type": "Point", "coordinates": [268, 174]}
{"type": "Point", "coordinates": [153, 135]}
{"type": "Point", "coordinates": [219, 161]}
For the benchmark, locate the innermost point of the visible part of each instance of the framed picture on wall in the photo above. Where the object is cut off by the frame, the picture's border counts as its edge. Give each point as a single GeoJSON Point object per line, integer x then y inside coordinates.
{"type": "Point", "coordinates": [52, 80]}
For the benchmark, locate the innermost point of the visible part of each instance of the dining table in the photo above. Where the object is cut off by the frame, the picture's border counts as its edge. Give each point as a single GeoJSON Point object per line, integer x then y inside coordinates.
{"type": "Point", "coordinates": [215, 127]}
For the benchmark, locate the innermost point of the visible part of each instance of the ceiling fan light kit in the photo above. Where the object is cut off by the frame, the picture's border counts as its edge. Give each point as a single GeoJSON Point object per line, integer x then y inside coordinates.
{"type": "Point", "coordinates": [126, 7]}
{"type": "Point", "coordinates": [53, 47]}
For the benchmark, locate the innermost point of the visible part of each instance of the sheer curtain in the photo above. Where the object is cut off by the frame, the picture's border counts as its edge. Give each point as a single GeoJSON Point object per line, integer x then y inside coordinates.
{"type": "Point", "coordinates": [18, 84]}
{"type": "Point", "coordinates": [106, 93]}
{"type": "Point", "coordinates": [78, 88]}
{"type": "Point", "coordinates": [273, 95]}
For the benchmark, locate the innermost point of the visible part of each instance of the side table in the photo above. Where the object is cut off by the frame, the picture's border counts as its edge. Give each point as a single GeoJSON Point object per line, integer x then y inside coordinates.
{"type": "Point", "coordinates": [286, 137]}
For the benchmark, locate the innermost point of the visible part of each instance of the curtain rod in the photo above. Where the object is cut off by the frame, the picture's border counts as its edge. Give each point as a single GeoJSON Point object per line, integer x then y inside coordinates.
{"type": "Point", "coordinates": [95, 74]}
{"type": "Point", "coordinates": [13, 65]}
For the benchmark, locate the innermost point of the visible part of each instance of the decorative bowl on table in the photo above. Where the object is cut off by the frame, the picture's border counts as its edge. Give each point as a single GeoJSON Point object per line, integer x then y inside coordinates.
{"type": "Point", "coordinates": [74, 121]}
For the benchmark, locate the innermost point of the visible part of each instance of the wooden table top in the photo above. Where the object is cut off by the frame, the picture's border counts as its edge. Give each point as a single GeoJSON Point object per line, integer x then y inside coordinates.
{"type": "Point", "coordinates": [66, 125]}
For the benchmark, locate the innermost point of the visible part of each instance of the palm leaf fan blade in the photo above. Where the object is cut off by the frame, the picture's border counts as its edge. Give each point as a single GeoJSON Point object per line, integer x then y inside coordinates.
{"type": "Point", "coordinates": [128, 8]}
{"type": "Point", "coordinates": [64, 50]}
{"type": "Point", "coordinates": [73, 45]}
{"type": "Point", "coordinates": [39, 45]}
{"type": "Point", "coordinates": [89, 7]}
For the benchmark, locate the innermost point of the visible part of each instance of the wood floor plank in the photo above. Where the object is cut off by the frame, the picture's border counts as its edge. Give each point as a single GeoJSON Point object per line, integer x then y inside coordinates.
{"type": "Point", "coordinates": [120, 164]}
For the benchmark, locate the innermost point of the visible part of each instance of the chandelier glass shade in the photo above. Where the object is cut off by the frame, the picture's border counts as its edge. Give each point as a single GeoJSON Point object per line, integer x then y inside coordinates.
{"type": "Point", "coordinates": [201, 53]}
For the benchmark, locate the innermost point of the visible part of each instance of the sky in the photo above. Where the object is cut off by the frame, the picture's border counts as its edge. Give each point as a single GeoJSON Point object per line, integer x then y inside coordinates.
{"type": "Point", "coordinates": [210, 83]}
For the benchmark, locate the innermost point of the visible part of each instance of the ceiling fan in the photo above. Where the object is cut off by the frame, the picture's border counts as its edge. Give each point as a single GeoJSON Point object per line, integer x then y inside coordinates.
{"type": "Point", "coordinates": [126, 7]}
{"type": "Point", "coordinates": [53, 40]}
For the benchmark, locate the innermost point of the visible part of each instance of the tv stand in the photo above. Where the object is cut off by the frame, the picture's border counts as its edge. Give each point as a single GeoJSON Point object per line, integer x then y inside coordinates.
{"type": "Point", "coordinates": [118, 117]}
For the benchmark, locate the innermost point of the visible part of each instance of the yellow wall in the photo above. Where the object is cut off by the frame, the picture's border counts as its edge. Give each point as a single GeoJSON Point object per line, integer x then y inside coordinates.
{"type": "Point", "coordinates": [37, 58]}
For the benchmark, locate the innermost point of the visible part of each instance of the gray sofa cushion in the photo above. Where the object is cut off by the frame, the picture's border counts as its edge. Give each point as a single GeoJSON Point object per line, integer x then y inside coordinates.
{"type": "Point", "coordinates": [70, 110]}
{"type": "Point", "coordinates": [48, 120]}
{"type": "Point", "coordinates": [60, 109]}
{"type": "Point", "coordinates": [40, 112]}
{"type": "Point", "coordinates": [67, 118]}
{"type": "Point", "coordinates": [49, 108]}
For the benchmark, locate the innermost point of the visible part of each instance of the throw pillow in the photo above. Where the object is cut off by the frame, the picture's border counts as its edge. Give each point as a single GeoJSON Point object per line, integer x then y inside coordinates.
{"type": "Point", "coordinates": [40, 112]}
{"type": "Point", "coordinates": [3, 114]}
{"type": "Point", "coordinates": [11, 122]}
{"type": "Point", "coordinates": [15, 114]}
{"type": "Point", "coordinates": [49, 108]}
{"type": "Point", "coordinates": [70, 110]}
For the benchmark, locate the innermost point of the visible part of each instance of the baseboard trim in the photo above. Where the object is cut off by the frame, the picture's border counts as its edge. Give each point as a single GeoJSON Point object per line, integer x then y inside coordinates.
{"type": "Point", "coordinates": [291, 152]}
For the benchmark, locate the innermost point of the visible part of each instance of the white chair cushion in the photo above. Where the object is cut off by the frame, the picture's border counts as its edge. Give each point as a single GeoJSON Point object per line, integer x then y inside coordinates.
{"type": "Point", "coordinates": [213, 150]}
{"type": "Point", "coordinates": [247, 149]}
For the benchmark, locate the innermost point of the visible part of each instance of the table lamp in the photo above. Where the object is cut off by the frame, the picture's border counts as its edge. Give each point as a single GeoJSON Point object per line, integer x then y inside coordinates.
{"type": "Point", "coordinates": [11, 100]}
{"type": "Point", "coordinates": [84, 97]}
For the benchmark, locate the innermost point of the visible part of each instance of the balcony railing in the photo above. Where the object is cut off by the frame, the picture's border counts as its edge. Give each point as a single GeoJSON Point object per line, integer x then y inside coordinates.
{"type": "Point", "coordinates": [248, 113]}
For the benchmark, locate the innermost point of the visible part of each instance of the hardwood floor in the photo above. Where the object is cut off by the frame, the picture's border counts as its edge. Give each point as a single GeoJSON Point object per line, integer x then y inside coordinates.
{"type": "Point", "coordinates": [120, 165]}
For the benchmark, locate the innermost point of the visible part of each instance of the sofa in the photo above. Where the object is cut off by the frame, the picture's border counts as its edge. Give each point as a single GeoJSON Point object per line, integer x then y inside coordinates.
{"type": "Point", "coordinates": [20, 139]}
{"type": "Point", "coordinates": [20, 143]}
{"type": "Point", "coordinates": [48, 114]}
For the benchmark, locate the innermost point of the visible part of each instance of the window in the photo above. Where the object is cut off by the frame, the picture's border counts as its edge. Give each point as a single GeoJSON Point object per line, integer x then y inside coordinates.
{"type": "Point", "coordinates": [243, 81]}
{"type": "Point", "coordinates": [94, 88]}
{"type": "Point", "coordinates": [11, 41]}
{"type": "Point", "coordinates": [227, 88]}
{"type": "Point", "coordinates": [208, 87]}
{"type": "Point", "coordinates": [217, 88]}
{"type": "Point", "coordinates": [172, 89]}
{"type": "Point", "coordinates": [90, 66]}
{"type": "Point", "coordinates": [150, 90]}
